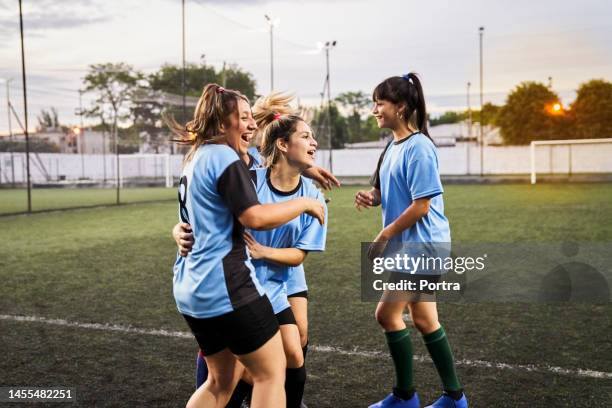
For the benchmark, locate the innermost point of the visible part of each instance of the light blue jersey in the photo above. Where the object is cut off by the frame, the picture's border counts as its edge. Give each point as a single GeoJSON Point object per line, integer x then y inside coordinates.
{"type": "Point", "coordinates": [408, 170]}
{"type": "Point", "coordinates": [216, 277]}
{"type": "Point", "coordinates": [303, 232]}
{"type": "Point", "coordinates": [256, 160]}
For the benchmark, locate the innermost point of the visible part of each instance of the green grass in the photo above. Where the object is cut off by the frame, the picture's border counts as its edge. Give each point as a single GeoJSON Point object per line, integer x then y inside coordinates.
{"type": "Point", "coordinates": [113, 265]}
{"type": "Point", "coordinates": [16, 200]}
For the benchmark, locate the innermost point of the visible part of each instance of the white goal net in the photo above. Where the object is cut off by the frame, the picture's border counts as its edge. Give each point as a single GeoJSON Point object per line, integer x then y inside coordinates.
{"type": "Point", "coordinates": [570, 157]}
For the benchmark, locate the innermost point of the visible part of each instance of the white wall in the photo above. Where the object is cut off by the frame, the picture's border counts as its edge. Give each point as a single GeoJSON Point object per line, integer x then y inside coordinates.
{"type": "Point", "coordinates": [456, 160]}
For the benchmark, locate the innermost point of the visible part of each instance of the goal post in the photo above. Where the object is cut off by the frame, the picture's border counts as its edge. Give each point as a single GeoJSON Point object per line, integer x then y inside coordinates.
{"type": "Point", "coordinates": [145, 169]}
{"type": "Point", "coordinates": [571, 145]}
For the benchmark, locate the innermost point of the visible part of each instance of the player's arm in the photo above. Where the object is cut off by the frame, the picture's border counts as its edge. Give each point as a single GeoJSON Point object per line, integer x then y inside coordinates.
{"type": "Point", "coordinates": [322, 176]}
{"type": "Point", "coordinates": [236, 188]}
{"type": "Point", "coordinates": [367, 198]}
{"type": "Point", "coordinates": [183, 236]}
{"type": "Point", "coordinates": [417, 210]}
{"type": "Point", "coordinates": [281, 256]}
{"type": "Point", "coordinates": [268, 216]}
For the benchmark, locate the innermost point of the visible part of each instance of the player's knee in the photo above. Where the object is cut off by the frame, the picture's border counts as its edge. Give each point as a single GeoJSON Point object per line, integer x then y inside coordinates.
{"type": "Point", "coordinates": [425, 325]}
{"type": "Point", "coordinates": [295, 358]}
{"type": "Point", "coordinates": [221, 383]}
{"type": "Point", "coordinates": [387, 321]}
{"type": "Point", "coordinates": [272, 371]}
{"type": "Point", "coordinates": [303, 334]}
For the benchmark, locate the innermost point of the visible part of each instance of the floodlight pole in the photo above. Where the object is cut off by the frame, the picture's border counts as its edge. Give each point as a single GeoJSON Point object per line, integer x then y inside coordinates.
{"type": "Point", "coordinates": [271, 23]}
{"type": "Point", "coordinates": [469, 108]}
{"type": "Point", "coordinates": [81, 134]}
{"type": "Point", "coordinates": [183, 73]}
{"type": "Point", "coordinates": [329, 45]}
{"type": "Point", "coordinates": [10, 129]}
{"type": "Point", "coordinates": [480, 34]}
{"type": "Point", "coordinates": [25, 108]}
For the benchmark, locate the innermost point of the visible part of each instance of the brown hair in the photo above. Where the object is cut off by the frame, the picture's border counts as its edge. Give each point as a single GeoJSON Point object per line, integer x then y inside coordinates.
{"type": "Point", "coordinates": [275, 119]}
{"type": "Point", "coordinates": [213, 110]}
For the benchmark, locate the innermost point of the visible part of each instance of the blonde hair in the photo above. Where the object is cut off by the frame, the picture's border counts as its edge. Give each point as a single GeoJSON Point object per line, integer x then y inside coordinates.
{"type": "Point", "coordinates": [212, 111]}
{"type": "Point", "coordinates": [275, 119]}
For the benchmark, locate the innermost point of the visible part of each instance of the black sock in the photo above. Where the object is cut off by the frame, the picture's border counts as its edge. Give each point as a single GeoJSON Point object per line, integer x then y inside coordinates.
{"type": "Point", "coordinates": [454, 394]}
{"type": "Point", "coordinates": [294, 386]}
{"type": "Point", "coordinates": [243, 390]}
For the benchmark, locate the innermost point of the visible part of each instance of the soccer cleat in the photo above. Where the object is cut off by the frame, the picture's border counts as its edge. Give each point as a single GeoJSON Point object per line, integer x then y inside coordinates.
{"type": "Point", "coordinates": [394, 402]}
{"type": "Point", "coordinates": [447, 402]}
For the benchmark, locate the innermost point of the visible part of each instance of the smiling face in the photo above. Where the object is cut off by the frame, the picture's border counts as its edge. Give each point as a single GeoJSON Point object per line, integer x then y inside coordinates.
{"type": "Point", "coordinates": [240, 129]}
{"type": "Point", "coordinates": [301, 147]}
{"type": "Point", "coordinates": [387, 114]}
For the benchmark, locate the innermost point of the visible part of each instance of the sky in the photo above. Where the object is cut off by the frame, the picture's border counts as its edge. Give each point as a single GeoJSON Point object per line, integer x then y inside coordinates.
{"type": "Point", "coordinates": [523, 40]}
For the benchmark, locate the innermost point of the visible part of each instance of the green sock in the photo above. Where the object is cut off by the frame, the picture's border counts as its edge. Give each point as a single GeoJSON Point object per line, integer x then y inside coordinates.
{"type": "Point", "coordinates": [442, 356]}
{"type": "Point", "coordinates": [400, 347]}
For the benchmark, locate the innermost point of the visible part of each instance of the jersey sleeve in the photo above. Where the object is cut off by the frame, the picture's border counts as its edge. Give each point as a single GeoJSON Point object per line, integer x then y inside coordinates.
{"type": "Point", "coordinates": [236, 187]}
{"type": "Point", "coordinates": [422, 172]}
{"type": "Point", "coordinates": [375, 179]}
{"type": "Point", "coordinates": [313, 235]}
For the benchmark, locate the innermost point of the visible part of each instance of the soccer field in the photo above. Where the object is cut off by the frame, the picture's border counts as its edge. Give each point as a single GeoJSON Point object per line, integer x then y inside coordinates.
{"type": "Point", "coordinates": [86, 302]}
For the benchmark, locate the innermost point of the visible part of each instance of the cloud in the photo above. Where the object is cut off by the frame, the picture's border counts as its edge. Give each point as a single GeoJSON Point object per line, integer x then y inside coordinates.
{"type": "Point", "coordinates": [46, 15]}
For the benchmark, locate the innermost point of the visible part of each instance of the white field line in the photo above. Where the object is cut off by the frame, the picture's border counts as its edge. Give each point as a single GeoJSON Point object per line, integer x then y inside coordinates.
{"type": "Point", "coordinates": [321, 349]}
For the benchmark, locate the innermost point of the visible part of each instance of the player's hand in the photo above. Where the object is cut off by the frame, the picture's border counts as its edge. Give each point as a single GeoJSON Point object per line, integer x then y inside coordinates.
{"type": "Point", "coordinates": [366, 199]}
{"type": "Point", "coordinates": [315, 209]}
{"type": "Point", "coordinates": [377, 247]}
{"type": "Point", "coordinates": [322, 176]}
{"type": "Point", "coordinates": [183, 236]}
{"type": "Point", "coordinates": [256, 250]}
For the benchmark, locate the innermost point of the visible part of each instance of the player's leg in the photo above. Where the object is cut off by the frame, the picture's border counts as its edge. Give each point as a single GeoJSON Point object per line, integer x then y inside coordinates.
{"type": "Point", "coordinates": [389, 316]}
{"type": "Point", "coordinates": [266, 366]}
{"type": "Point", "coordinates": [425, 318]}
{"type": "Point", "coordinates": [224, 372]}
{"type": "Point", "coordinates": [299, 307]}
{"type": "Point", "coordinates": [296, 370]}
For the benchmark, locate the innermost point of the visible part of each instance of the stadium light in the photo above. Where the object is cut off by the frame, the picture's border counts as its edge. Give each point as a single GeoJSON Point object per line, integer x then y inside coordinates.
{"type": "Point", "coordinates": [272, 23]}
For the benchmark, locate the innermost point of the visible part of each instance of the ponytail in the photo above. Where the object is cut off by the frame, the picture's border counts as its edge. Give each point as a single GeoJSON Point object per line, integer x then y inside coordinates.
{"type": "Point", "coordinates": [421, 109]}
{"type": "Point", "coordinates": [275, 119]}
{"type": "Point", "coordinates": [406, 90]}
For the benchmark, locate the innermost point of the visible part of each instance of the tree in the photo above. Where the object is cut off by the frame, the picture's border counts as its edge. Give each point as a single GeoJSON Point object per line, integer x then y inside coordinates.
{"type": "Point", "coordinates": [356, 103]}
{"type": "Point", "coordinates": [527, 115]}
{"type": "Point", "coordinates": [169, 79]}
{"type": "Point", "coordinates": [591, 112]}
{"type": "Point", "coordinates": [114, 85]}
{"type": "Point", "coordinates": [447, 118]}
{"type": "Point", "coordinates": [235, 78]}
{"type": "Point", "coordinates": [339, 130]}
{"type": "Point", "coordinates": [48, 120]}
{"type": "Point", "coordinates": [490, 114]}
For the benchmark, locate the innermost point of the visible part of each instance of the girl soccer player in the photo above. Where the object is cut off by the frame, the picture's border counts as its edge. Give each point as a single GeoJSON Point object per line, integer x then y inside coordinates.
{"type": "Point", "coordinates": [288, 148]}
{"type": "Point", "coordinates": [407, 185]}
{"type": "Point", "coordinates": [215, 287]}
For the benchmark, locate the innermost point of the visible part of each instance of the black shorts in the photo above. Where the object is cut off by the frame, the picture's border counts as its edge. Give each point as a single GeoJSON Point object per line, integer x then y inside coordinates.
{"type": "Point", "coordinates": [303, 294]}
{"type": "Point", "coordinates": [286, 317]}
{"type": "Point", "coordinates": [242, 331]}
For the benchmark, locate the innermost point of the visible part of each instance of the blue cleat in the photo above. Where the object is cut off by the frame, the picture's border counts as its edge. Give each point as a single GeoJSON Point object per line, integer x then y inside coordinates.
{"type": "Point", "coordinates": [447, 402]}
{"type": "Point", "coordinates": [394, 402]}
